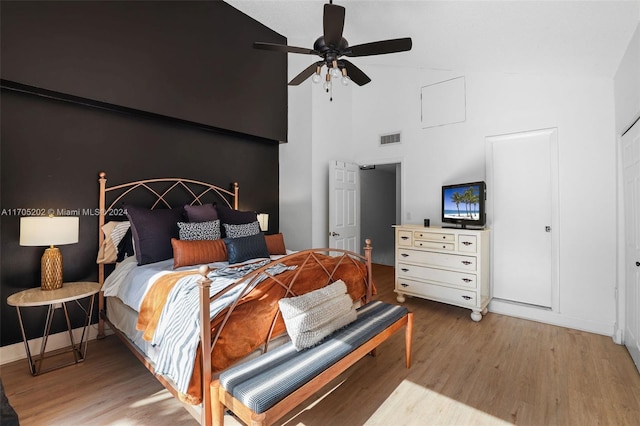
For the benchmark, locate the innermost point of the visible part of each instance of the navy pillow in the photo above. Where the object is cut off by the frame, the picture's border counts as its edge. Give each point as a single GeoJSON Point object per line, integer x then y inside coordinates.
{"type": "Point", "coordinates": [203, 213]}
{"type": "Point", "coordinates": [246, 248]}
{"type": "Point", "coordinates": [235, 217]}
{"type": "Point", "coordinates": [152, 232]}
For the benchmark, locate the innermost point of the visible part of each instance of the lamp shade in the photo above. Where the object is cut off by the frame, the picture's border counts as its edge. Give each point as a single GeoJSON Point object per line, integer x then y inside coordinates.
{"type": "Point", "coordinates": [48, 231]}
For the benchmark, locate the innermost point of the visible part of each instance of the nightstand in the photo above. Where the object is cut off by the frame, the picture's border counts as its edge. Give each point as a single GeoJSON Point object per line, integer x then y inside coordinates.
{"type": "Point", "coordinates": [55, 299]}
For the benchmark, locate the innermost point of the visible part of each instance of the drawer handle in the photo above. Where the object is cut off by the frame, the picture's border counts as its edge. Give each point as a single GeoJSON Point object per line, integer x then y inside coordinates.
{"type": "Point", "coordinates": [466, 280]}
{"type": "Point", "coordinates": [444, 237]}
{"type": "Point", "coordinates": [404, 255]}
{"type": "Point", "coordinates": [404, 238]}
{"type": "Point", "coordinates": [444, 247]}
{"type": "Point", "coordinates": [466, 297]}
{"type": "Point", "coordinates": [404, 285]}
{"type": "Point", "coordinates": [466, 262]}
{"type": "Point", "coordinates": [404, 269]}
{"type": "Point", "coordinates": [467, 243]}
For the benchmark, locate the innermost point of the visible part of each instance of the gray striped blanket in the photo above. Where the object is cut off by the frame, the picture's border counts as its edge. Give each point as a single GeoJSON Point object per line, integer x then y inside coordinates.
{"type": "Point", "coordinates": [177, 334]}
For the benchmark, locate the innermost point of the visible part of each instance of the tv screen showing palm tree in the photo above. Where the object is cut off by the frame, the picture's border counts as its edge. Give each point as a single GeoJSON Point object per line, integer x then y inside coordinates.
{"type": "Point", "coordinates": [464, 203]}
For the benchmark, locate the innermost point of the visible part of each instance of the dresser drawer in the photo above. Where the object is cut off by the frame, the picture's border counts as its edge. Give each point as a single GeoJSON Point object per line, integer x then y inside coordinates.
{"type": "Point", "coordinates": [467, 243]}
{"type": "Point", "coordinates": [444, 260]}
{"type": "Point", "coordinates": [459, 279]}
{"type": "Point", "coordinates": [436, 245]}
{"type": "Point", "coordinates": [436, 292]}
{"type": "Point", "coordinates": [404, 238]}
{"type": "Point", "coordinates": [434, 236]}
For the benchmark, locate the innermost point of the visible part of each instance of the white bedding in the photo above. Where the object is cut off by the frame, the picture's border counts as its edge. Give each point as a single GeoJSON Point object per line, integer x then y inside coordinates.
{"type": "Point", "coordinates": [175, 341]}
{"type": "Point", "coordinates": [124, 319]}
{"type": "Point", "coordinates": [130, 282]}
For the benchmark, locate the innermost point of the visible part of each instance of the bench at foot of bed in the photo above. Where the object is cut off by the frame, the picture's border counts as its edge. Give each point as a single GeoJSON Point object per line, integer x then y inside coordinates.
{"type": "Point", "coordinates": [266, 388]}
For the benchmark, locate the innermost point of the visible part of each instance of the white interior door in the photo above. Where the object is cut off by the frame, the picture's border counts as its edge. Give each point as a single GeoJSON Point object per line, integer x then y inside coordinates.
{"type": "Point", "coordinates": [631, 173]}
{"type": "Point", "coordinates": [344, 206]}
{"type": "Point", "coordinates": [521, 191]}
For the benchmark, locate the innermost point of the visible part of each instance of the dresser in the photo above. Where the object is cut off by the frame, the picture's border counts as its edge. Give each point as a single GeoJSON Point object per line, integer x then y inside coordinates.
{"type": "Point", "coordinates": [448, 265]}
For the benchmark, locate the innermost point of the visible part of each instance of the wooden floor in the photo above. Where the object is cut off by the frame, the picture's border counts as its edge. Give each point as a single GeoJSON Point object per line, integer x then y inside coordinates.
{"type": "Point", "coordinates": [502, 370]}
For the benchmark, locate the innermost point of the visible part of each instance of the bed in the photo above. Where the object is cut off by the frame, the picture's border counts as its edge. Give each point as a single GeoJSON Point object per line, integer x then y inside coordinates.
{"type": "Point", "coordinates": [178, 268]}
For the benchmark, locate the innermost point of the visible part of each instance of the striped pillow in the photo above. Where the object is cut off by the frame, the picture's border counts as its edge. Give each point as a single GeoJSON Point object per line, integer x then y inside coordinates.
{"type": "Point", "coordinates": [114, 233]}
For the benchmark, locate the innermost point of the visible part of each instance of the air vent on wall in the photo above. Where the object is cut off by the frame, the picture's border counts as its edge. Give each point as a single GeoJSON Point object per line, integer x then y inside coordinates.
{"type": "Point", "coordinates": [390, 138]}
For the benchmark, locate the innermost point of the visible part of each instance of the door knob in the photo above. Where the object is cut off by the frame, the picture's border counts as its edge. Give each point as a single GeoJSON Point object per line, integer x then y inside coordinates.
{"type": "Point", "coordinates": [334, 234]}
{"type": "Point", "coordinates": [637, 263]}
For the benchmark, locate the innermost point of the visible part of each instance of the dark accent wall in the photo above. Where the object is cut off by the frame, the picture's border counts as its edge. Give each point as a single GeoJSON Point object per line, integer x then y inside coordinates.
{"type": "Point", "coordinates": [125, 99]}
{"type": "Point", "coordinates": [192, 60]}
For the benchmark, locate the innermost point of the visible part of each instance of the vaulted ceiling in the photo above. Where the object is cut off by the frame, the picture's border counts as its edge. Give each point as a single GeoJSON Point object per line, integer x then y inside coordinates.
{"type": "Point", "coordinates": [536, 37]}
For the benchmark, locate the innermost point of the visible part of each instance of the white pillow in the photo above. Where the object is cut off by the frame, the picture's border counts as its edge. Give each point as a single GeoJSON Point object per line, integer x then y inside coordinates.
{"type": "Point", "coordinates": [315, 315]}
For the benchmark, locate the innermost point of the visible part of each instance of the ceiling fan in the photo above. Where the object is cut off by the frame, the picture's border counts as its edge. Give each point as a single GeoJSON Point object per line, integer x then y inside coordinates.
{"type": "Point", "coordinates": [331, 47]}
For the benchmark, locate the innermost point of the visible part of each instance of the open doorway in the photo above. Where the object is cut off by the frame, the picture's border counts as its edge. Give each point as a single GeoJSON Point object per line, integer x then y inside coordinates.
{"type": "Point", "coordinates": [380, 209]}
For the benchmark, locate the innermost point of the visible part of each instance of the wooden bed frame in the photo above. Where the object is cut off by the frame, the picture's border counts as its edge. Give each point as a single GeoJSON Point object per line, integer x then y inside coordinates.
{"type": "Point", "coordinates": [196, 190]}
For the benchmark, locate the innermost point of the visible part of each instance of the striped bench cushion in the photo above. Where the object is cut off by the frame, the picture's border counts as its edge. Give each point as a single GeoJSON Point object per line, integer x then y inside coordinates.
{"type": "Point", "coordinates": [261, 383]}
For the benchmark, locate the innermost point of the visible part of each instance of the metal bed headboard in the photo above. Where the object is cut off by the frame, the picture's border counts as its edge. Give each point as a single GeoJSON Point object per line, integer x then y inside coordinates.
{"type": "Point", "coordinates": [193, 193]}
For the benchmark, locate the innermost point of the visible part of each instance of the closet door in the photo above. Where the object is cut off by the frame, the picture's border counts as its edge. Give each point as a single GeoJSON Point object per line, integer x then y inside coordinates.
{"type": "Point", "coordinates": [522, 192]}
{"type": "Point", "coordinates": [631, 173]}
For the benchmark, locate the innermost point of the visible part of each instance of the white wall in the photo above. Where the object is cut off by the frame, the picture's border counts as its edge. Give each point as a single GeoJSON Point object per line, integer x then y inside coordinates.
{"type": "Point", "coordinates": [295, 172]}
{"type": "Point", "coordinates": [331, 141]}
{"type": "Point", "coordinates": [627, 85]}
{"type": "Point", "coordinates": [319, 131]}
{"type": "Point", "coordinates": [581, 108]}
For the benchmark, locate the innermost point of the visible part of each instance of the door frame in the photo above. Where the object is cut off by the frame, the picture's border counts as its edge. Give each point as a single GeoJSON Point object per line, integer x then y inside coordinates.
{"type": "Point", "coordinates": [400, 204]}
{"type": "Point", "coordinates": [620, 291]}
{"type": "Point", "coordinates": [621, 332]}
{"type": "Point", "coordinates": [513, 307]}
{"type": "Point", "coordinates": [400, 190]}
{"type": "Point", "coordinates": [621, 318]}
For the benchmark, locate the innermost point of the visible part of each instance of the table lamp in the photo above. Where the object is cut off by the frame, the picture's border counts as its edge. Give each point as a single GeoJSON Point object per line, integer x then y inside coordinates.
{"type": "Point", "coordinates": [49, 231]}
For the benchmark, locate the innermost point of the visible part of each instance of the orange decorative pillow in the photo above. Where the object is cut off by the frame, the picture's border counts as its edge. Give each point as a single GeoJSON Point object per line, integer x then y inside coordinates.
{"type": "Point", "coordinates": [197, 252]}
{"type": "Point", "coordinates": [275, 244]}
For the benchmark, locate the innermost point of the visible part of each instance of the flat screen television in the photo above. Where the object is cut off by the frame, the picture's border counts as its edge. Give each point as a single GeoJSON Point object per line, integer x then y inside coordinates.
{"type": "Point", "coordinates": [463, 204]}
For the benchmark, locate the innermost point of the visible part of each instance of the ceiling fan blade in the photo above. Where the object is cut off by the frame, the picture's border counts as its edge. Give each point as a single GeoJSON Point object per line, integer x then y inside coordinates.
{"type": "Point", "coordinates": [380, 47]}
{"type": "Point", "coordinates": [283, 48]}
{"type": "Point", "coordinates": [355, 74]}
{"type": "Point", "coordinates": [333, 24]}
{"type": "Point", "coordinates": [308, 72]}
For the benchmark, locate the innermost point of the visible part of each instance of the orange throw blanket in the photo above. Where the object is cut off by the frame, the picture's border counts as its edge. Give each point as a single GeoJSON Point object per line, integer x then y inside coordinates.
{"type": "Point", "coordinates": [154, 302]}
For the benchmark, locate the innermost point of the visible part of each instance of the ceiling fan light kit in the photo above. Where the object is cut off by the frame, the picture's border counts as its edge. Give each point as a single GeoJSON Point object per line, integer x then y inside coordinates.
{"type": "Point", "coordinates": [331, 47]}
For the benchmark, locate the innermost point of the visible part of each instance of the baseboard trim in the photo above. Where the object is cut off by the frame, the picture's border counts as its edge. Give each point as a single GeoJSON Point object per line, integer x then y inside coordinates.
{"type": "Point", "coordinates": [549, 317]}
{"type": "Point", "coordinates": [16, 351]}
